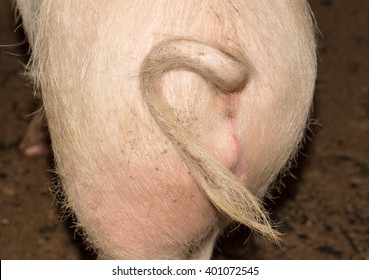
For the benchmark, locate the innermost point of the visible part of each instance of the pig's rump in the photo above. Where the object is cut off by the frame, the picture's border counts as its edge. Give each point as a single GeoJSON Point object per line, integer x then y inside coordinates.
{"type": "Point", "coordinates": [168, 116]}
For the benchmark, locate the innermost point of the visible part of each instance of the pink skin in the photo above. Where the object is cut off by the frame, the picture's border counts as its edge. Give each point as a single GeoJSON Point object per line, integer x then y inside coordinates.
{"type": "Point", "coordinates": [129, 186]}
{"type": "Point", "coordinates": [35, 141]}
{"type": "Point", "coordinates": [233, 146]}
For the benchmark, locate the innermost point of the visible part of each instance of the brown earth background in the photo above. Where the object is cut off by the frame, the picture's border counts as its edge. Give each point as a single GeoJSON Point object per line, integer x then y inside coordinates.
{"type": "Point", "coordinates": [324, 213]}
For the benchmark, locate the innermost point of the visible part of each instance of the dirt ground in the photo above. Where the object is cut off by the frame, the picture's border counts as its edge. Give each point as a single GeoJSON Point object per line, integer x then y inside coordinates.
{"type": "Point", "coordinates": [324, 213]}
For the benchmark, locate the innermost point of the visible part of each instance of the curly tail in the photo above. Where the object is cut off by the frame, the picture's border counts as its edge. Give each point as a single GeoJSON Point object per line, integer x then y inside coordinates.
{"type": "Point", "coordinates": [228, 74]}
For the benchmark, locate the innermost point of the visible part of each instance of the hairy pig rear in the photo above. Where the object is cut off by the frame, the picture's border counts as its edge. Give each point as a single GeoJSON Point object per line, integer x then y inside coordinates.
{"type": "Point", "coordinates": [170, 118]}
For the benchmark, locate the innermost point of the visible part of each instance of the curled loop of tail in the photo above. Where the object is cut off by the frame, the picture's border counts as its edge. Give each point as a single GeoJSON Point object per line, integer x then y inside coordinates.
{"type": "Point", "coordinates": [229, 74]}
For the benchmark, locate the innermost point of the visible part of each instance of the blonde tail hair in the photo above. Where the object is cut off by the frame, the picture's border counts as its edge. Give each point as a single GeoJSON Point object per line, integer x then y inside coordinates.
{"type": "Point", "coordinates": [228, 74]}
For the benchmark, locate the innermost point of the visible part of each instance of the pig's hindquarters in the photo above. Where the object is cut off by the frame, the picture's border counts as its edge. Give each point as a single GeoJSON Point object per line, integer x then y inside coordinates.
{"type": "Point", "coordinates": [132, 192]}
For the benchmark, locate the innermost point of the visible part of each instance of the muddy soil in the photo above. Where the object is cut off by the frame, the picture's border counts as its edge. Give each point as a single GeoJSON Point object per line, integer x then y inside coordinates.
{"type": "Point", "coordinates": [323, 213]}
